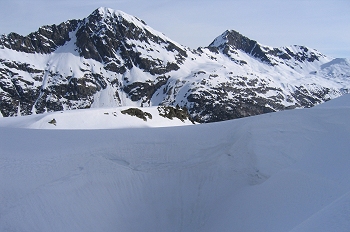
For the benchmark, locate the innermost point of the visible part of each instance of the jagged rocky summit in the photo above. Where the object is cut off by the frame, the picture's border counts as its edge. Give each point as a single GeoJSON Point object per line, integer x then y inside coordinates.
{"type": "Point", "coordinates": [112, 59]}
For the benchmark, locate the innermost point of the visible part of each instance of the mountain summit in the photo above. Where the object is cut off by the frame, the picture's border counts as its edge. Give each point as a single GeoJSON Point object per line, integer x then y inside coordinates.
{"type": "Point", "coordinates": [114, 59]}
{"type": "Point", "coordinates": [107, 34]}
{"type": "Point", "coordinates": [231, 41]}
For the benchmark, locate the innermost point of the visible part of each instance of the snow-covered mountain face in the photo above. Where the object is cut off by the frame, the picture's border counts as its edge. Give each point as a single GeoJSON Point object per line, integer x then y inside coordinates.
{"type": "Point", "coordinates": [113, 59]}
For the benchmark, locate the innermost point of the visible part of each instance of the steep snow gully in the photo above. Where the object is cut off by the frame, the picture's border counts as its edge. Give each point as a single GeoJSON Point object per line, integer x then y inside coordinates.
{"type": "Point", "coordinates": [285, 171]}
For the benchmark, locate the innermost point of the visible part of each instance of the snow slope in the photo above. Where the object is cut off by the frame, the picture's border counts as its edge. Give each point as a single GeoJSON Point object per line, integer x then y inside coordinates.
{"type": "Point", "coordinates": [285, 171]}
{"type": "Point", "coordinates": [98, 118]}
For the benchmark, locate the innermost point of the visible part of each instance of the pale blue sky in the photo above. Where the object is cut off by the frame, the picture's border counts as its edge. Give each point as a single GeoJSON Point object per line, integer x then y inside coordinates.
{"type": "Point", "coordinates": [320, 24]}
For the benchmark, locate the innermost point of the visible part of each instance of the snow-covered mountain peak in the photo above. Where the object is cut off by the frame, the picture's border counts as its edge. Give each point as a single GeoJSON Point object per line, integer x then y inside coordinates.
{"type": "Point", "coordinates": [108, 12]}
{"type": "Point", "coordinates": [111, 16]}
{"type": "Point", "coordinates": [231, 38]}
{"type": "Point", "coordinates": [109, 35]}
{"type": "Point", "coordinates": [220, 41]}
{"type": "Point", "coordinates": [231, 42]}
{"type": "Point", "coordinates": [105, 13]}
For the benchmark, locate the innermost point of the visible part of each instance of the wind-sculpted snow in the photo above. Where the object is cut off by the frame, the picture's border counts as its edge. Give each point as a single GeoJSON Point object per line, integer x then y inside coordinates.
{"type": "Point", "coordinates": [284, 171]}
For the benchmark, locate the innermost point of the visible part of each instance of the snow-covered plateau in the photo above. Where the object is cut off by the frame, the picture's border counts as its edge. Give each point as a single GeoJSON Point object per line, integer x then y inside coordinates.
{"type": "Point", "coordinates": [283, 171]}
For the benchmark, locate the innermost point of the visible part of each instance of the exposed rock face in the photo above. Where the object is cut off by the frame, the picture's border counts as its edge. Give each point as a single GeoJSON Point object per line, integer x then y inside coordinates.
{"type": "Point", "coordinates": [107, 36]}
{"type": "Point", "coordinates": [114, 59]}
{"type": "Point", "coordinates": [46, 40]}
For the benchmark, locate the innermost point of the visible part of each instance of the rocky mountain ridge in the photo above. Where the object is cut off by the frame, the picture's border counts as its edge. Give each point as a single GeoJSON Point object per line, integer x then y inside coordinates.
{"type": "Point", "coordinates": [112, 59]}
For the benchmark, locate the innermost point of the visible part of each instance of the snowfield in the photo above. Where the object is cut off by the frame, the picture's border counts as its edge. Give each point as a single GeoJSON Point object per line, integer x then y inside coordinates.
{"type": "Point", "coordinates": [285, 171]}
{"type": "Point", "coordinates": [96, 118]}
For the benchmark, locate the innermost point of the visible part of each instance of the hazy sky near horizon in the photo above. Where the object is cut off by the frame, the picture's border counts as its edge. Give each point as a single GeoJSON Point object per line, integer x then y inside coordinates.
{"type": "Point", "coordinates": [320, 24]}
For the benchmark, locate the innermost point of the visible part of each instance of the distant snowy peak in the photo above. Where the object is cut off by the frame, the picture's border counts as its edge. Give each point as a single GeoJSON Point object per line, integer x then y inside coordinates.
{"type": "Point", "coordinates": [220, 41]}
{"type": "Point", "coordinates": [235, 40]}
{"type": "Point", "coordinates": [231, 41]}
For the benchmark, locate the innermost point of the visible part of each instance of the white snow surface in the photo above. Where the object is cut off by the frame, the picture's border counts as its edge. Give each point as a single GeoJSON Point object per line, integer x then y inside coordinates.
{"type": "Point", "coordinates": [284, 171]}
{"type": "Point", "coordinates": [96, 118]}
